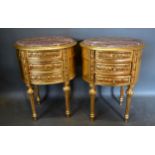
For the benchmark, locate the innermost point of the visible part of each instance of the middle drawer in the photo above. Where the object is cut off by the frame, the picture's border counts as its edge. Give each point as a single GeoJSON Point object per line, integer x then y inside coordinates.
{"type": "Point", "coordinates": [46, 67]}
{"type": "Point", "coordinates": [113, 69]}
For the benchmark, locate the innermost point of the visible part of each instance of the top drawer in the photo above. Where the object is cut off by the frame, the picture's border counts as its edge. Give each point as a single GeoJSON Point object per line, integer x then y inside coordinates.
{"type": "Point", "coordinates": [45, 56]}
{"type": "Point", "coordinates": [114, 56]}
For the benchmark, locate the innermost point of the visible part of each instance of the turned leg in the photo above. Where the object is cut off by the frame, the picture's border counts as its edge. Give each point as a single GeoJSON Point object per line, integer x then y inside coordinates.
{"type": "Point", "coordinates": [121, 99]}
{"type": "Point", "coordinates": [66, 89]}
{"type": "Point", "coordinates": [92, 93]}
{"type": "Point", "coordinates": [36, 90]}
{"type": "Point", "coordinates": [128, 102]}
{"type": "Point", "coordinates": [31, 97]}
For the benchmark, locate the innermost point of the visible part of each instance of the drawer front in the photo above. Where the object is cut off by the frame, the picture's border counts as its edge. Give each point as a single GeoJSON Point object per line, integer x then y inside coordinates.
{"type": "Point", "coordinates": [113, 69]}
{"type": "Point", "coordinates": [112, 80]}
{"type": "Point", "coordinates": [45, 56]}
{"type": "Point", "coordinates": [45, 78]}
{"type": "Point", "coordinates": [46, 67]}
{"type": "Point", "coordinates": [114, 56]}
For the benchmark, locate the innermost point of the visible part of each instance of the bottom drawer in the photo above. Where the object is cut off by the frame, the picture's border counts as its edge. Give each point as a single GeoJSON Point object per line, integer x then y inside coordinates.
{"type": "Point", "coordinates": [113, 80]}
{"type": "Point", "coordinates": [46, 78]}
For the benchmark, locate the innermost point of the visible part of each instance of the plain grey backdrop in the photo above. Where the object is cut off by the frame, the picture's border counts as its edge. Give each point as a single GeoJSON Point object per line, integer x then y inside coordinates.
{"type": "Point", "coordinates": [10, 79]}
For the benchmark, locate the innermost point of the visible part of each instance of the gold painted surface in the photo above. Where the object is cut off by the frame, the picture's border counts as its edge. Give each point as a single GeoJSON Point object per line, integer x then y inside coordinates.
{"type": "Point", "coordinates": [86, 64]}
{"type": "Point", "coordinates": [112, 80]}
{"type": "Point", "coordinates": [111, 67]}
{"type": "Point", "coordinates": [45, 56]}
{"type": "Point", "coordinates": [47, 65]}
{"type": "Point", "coordinates": [114, 56]}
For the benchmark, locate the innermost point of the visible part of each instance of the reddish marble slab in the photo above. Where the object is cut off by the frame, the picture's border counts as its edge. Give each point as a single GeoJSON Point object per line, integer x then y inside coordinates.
{"type": "Point", "coordinates": [111, 42]}
{"type": "Point", "coordinates": [45, 41]}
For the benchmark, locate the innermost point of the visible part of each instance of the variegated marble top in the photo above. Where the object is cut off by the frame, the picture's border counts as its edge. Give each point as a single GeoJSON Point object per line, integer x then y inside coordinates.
{"type": "Point", "coordinates": [45, 41]}
{"type": "Point", "coordinates": [111, 42]}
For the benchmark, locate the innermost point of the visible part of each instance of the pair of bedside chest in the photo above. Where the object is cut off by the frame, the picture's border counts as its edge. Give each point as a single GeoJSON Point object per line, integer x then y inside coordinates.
{"type": "Point", "coordinates": [105, 61]}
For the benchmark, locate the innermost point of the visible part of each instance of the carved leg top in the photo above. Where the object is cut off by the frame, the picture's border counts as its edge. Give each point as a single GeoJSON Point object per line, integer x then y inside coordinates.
{"type": "Point", "coordinates": [66, 88]}
{"type": "Point", "coordinates": [30, 90]}
{"type": "Point", "coordinates": [129, 91]}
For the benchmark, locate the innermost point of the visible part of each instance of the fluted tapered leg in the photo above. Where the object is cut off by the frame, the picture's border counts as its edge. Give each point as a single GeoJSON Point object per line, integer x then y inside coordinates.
{"type": "Point", "coordinates": [30, 92]}
{"type": "Point", "coordinates": [66, 89]}
{"type": "Point", "coordinates": [128, 102]}
{"type": "Point", "coordinates": [121, 99]}
{"type": "Point", "coordinates": [36, 89]}
{"type": "Point", "coordinates": [92, 93]}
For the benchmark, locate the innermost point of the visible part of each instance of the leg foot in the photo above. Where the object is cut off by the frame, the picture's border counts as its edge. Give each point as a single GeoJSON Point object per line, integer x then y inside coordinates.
{"type": "Point", "coordinates": [31, 97]}
{"type": "Point", "coordinates": [92, 117]}
{"type": "Point", "coordinates": [34, 116]}
{"type": "Point", "coordinates": [126, 117]}
{"type": "Point", "coordinates": [121, 99]}
{"type": "Point", "coordinates": [66, 89]}
{"type": "Point", "coordinates": [68, 114]}
{"type": "Point", "coordinates": [92, 93]}
{"type": "Point", "coordinates": [128, 102]}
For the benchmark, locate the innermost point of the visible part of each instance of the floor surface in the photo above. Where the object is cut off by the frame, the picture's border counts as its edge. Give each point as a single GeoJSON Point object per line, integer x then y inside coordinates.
{"type": "Point", "coordinates": [17, 112]}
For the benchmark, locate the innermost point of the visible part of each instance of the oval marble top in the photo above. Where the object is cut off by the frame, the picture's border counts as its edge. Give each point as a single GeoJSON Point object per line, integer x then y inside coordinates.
{"type": "Point", "coordinates": [45, 41]}
{"type": "Point", "coordinates": [111, 42]}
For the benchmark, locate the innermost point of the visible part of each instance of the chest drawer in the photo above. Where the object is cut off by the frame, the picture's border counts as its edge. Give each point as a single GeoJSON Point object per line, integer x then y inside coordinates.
{"type": "Point", "coordinates": [45, 56]}
{"type": "Point", "coordinates": [45, 78]}
{"type": "Point", "coordinates": [115, 56]}
{"type": "Point", "coordinates": [112, 80]}
{"type": "Point", "coordinates": [46, 67]}
{"type": "Point", "coordinates": [45, 62]}
{"type": "Point", "coordinates": [113, 69]}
